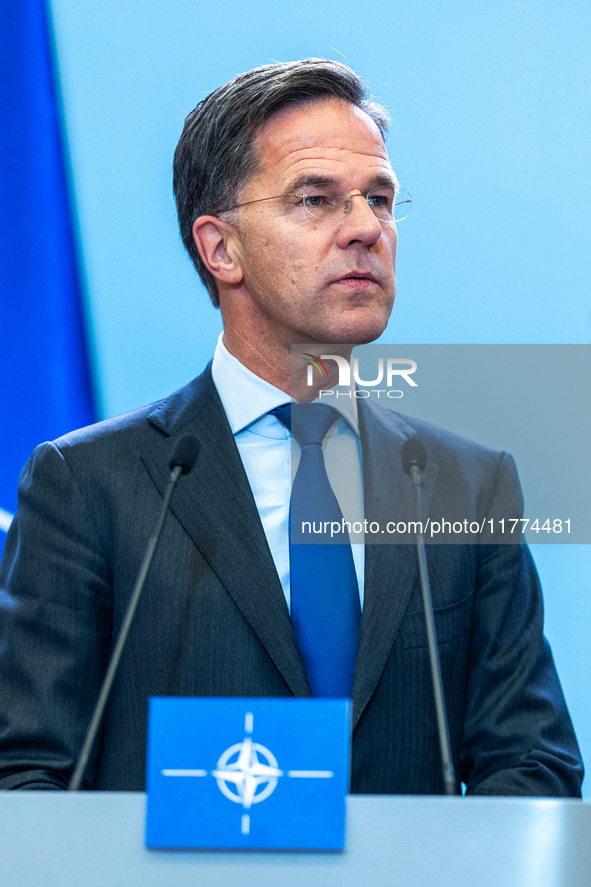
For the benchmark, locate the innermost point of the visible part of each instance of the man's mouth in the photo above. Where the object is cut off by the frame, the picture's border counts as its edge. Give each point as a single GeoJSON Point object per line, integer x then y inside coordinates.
{"type": "Point", "coordinates": [356, 276]}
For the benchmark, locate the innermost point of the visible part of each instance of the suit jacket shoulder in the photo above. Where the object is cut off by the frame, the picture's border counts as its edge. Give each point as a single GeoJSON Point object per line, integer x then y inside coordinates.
{"type": "Point", "coordinates": [130, 431]}
{"type": "Point", "coordinates": [463, 480]}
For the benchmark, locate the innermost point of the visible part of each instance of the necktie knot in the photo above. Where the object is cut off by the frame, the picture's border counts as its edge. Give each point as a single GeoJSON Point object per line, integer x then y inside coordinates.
{"type": "Point", "coordinates": [308, 422]}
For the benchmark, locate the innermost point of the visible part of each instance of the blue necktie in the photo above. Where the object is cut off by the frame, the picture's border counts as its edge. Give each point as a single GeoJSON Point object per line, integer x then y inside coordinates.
{"type": "Point", "coordinates": [325, 609]}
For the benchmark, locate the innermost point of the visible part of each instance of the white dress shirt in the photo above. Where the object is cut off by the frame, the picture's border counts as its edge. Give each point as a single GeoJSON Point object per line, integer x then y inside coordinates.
{"type": "Point", "coordinates": [270, 456]}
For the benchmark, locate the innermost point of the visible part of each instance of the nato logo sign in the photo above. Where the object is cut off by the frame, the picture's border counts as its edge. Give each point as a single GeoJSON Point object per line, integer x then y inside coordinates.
{"type": "Point", "coordinates": [248, 773]}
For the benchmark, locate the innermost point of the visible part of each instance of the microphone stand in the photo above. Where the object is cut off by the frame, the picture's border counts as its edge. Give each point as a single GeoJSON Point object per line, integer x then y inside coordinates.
{"type": "Point", "coordinates": [449, 776]}
{"type": "Point", "coordinates": [182, 462]}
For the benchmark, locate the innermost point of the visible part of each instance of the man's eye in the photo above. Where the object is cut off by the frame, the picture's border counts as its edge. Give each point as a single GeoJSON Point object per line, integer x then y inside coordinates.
{"type": "Point", "coordinates": [379, 200]}
{"type": "Point", "coordinates": [315, 201]}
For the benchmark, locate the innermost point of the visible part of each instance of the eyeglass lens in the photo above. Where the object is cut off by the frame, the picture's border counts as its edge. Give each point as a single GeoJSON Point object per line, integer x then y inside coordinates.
{"type": "Point", "coordinates": [326, 204]}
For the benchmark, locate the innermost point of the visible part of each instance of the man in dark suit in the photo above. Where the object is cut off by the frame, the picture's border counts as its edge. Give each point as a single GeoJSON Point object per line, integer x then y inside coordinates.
{"type": "Point", "coordinates": [285, 196]}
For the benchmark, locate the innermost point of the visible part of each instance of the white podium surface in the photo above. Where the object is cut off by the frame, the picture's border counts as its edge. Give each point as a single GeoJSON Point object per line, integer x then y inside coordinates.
{"type": "Point", "coordinates": [96, 839]}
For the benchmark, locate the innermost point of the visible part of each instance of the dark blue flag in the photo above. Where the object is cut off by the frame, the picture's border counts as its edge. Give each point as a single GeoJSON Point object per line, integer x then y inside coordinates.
{"type": "Point", "coordinates": [45, 386]}
{"type": "Point", "coordinates": [248, 773]}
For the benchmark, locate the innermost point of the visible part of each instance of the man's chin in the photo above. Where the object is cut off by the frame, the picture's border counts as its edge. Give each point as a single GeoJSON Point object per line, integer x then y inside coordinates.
{"type": "Point", "coordinates": [359, 326]}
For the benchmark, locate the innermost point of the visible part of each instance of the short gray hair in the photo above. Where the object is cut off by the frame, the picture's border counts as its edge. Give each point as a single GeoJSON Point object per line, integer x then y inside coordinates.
{"type": "Point", "coordinates": [215, 156]}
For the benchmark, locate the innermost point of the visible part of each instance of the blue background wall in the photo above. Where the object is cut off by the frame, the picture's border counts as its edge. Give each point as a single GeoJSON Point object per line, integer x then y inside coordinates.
{"type": "Point", "coordinates": [491, 132]}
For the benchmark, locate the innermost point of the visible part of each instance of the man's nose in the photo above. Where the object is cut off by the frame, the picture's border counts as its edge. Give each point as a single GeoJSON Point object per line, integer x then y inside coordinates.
{"type": "Point", "coordinates": [359, 222]}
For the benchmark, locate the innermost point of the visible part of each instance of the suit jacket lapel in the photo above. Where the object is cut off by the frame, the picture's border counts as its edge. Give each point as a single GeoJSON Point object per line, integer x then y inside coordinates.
{"type": "Point", "coordinates": [216, 507]}
{"type": "Point", "coordinates": [391, 570]}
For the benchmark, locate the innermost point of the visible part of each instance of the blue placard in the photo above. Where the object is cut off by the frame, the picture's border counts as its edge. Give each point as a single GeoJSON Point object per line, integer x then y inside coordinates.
{"type": "Point", "coordinates": [248, 773]}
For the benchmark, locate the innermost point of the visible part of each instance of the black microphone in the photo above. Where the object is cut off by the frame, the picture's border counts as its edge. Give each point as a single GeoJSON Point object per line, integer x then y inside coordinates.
{"type": "Point", "coordinates": [185, 453]}
{"type": "Point", "coordinates": [414, 453]}
{"type": "Point", "coordinates": [182, 461]}
{"type": "Point", "coordinates": [414, 461]}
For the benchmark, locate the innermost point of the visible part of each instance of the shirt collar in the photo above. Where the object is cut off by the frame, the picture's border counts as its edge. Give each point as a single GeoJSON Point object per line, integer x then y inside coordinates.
{"type": "Point", "coordinates": [246, 398]}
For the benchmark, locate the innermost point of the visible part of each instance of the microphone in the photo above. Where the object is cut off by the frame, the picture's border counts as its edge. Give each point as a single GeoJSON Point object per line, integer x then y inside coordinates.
{"type": "Point", "coordinates": [185, 453]}
{"type": "Point", "coordinates": [414, 454]}
{"type": "Point", "coordinates": [182, 461]}
{"type": "Point", "coordinates": [414, 461]}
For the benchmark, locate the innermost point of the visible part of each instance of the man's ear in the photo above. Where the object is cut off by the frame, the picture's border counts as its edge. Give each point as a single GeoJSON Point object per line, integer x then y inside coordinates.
{"type": "Point", "coordinates": [216, 242]}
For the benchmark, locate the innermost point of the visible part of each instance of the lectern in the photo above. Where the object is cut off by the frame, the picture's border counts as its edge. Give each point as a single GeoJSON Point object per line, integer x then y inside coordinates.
{"type": "Point", "coordinates": [94, 839]}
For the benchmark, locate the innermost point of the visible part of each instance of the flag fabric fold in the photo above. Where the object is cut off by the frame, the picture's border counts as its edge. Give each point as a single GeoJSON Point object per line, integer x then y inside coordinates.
{"type": "Point", "coordinates": [45, 381]}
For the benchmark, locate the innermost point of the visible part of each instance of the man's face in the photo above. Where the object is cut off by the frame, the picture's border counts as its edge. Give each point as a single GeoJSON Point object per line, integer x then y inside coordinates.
{"type": "Point", "coordinates": [307, 282]}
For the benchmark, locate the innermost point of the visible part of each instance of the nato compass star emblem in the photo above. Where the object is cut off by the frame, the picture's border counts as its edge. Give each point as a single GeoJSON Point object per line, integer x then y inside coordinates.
{"type": "Point", "coordinates": [248, 773]}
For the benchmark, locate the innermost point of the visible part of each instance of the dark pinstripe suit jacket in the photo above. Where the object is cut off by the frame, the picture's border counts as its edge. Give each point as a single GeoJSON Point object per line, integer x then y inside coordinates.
{"type": "Point", "coordinates": [213, 619]}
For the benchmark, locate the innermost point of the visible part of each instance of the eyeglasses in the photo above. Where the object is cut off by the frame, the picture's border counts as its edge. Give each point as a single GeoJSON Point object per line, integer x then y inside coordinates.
{"type": "Point", "coordinates": [325, 203]}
